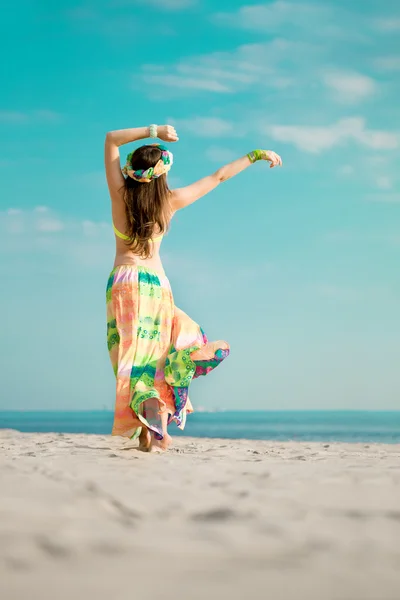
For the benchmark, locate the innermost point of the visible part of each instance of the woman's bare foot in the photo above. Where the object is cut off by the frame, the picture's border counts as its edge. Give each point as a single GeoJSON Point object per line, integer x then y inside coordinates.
{"type": "Point", "coordinates": [160, 445]}
{"type": "Point", "coordinates": [144, 440]}
{"type": "Point", "coordinates": [208, 351]}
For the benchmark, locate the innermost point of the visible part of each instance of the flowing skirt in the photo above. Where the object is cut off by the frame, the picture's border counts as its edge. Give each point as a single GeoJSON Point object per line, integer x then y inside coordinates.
{"type": "Point", "coordinates": [150, 342]}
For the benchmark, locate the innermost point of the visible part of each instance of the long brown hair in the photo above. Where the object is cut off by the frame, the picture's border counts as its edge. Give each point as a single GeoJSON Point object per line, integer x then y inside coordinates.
{"type": "Point", "coordinates": [147, 206]}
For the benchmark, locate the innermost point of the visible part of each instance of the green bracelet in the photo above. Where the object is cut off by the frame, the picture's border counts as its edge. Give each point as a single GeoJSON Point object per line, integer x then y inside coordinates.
{"type": "Point", "coordinates": [153, 131]}
{"type": "Point", "coordinates": [256, 155]}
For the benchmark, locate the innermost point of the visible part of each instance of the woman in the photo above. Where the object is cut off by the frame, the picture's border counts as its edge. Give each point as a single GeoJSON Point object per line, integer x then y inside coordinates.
{"type": "Point", "coordinates": [155, 348]}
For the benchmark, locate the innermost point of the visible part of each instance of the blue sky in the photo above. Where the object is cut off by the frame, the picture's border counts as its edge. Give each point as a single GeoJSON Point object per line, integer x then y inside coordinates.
{"type": "Point", "coordinates": [298, 268]}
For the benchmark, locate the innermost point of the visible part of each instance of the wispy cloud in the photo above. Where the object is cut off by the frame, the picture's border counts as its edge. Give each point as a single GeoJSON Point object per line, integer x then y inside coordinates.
{"type": "Point", "coordinates": [49, 225]}
{"type": "Point", "coordinates": [180, 81]}
{"type": "Point", "coordinates": [387, 63]}
{"type": "Point", "coordinates": [168, 4]}
{"type": "Point", "coordinates": [279, 65]}
{"type": "Point", "coordinates": [30, 116]}
{"type": "Point", "coordinates": [163, 5]}
{"type": "Point", "coordinates": [384, 182]}
{"type": "Point", "coordinates": [372, 170]}
{"type": "Point", "coordinates": [94, 228]}
{"type": "Point", "coordinates": [264, 65]}
{"type": "Point", "coordinates": [273, 16]}
{"type": "Point", "coordinates": [388, 25]}
{"type": "Point", "coordinates": [349, 87]}
{"type": "Point", "coordinates": [346, 170]}
{"type": "Point", "coordinates": [317, 21]}
{"type": "Point", "coordinates": [42, 230]}
{"type": "Point", "coordinates": [12, 116]}
{"type": "Point", "coordinates": [39, 220]}
{"type": "Point", "coordinates": [315, 139]}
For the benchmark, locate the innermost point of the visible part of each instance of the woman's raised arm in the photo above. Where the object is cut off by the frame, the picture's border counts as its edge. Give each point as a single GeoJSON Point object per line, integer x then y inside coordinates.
{"type": "Point", "coordinates": [115, 139]}
{"type": "Point", "coordinates": [182, 197]}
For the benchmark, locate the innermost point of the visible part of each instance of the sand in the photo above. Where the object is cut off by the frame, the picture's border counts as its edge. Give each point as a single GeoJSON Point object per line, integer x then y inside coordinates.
{"type": "Point", "coordinates": [88, 516]}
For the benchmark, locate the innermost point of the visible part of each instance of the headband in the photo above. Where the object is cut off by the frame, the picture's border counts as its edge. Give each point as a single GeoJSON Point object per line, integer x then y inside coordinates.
{"type": "Point", "coordinates": [145, 176]}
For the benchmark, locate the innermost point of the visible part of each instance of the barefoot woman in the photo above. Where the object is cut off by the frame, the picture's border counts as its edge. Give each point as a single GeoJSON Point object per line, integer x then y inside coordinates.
{"type": "Point", "coordinates": [155, 348]}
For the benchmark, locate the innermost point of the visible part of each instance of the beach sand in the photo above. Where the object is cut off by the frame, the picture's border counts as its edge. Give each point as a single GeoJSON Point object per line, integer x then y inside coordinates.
{"type": "Point", "coordinates": [87, 516]}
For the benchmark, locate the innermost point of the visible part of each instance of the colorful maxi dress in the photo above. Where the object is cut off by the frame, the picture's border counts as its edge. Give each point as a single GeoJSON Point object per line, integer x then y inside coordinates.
{"type": "Point", "coordinates": [150, 342]}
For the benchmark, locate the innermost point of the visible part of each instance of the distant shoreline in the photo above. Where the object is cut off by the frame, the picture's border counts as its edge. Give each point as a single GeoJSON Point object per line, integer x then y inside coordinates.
{"type": "Point", "coordinates": [215, 410]}
{"type": "Point", "coordinates": [284, 425]}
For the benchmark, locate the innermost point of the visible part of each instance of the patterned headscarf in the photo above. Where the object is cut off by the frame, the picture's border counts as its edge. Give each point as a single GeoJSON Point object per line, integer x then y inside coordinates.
{"type": "Point", "coordinates": [145, 176]}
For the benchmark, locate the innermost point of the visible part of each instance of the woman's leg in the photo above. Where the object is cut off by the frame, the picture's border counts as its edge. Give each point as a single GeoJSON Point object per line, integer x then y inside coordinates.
{"type": "Point", "coordinates": [144, 439]}
{"type": "Point", "coordinates": [160, 445]}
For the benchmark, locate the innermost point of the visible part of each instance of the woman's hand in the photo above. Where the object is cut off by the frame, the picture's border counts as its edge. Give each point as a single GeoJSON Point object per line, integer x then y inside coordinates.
{"type": "Point", "coordinates": [272, 158]}
{"type": "Point", "coordinates": [167, 133]}
{"type": "Point", "coordinates": [268, 155]}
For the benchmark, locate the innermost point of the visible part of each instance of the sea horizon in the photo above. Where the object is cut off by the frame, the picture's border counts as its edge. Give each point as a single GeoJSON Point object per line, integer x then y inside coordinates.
{"type": "Point", "coordinates": [362, 426]}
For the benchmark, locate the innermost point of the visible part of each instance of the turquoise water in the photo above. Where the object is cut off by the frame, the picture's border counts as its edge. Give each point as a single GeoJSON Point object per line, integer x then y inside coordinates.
{"type": "Point", "coordinates": [340, 426]}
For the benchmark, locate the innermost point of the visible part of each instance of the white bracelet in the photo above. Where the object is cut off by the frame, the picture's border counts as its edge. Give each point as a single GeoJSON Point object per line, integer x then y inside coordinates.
{"type": "Point", "coordinates": [153, 131]}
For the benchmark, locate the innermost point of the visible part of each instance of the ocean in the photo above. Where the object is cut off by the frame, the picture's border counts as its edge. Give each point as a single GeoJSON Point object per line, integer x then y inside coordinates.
{"type": "Point", "coordinates": [322, 426]}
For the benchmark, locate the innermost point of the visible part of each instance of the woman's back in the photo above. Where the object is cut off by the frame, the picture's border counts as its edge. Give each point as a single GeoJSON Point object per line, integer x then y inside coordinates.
{"type": "Point", "coordinates": [141, 210]}
{"type": "Point", "coordinates": [123, 253]}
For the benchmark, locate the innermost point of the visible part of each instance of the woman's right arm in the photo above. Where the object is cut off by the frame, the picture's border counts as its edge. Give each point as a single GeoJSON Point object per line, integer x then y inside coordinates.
{"type": "Point", "coordinates": [182, 197]}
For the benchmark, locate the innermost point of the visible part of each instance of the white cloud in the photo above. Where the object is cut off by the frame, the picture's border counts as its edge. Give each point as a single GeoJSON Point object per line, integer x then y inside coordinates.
{"type": "Point", "coordinates": [228, 72]}
{"type": "Point", "coordinates": [47, 116]}
{"type": "Point", "coordinates": [49, 225]}
{"type": "Point", "coordinates": [384, 182]}
{"type": "Point", "coordinates": [165, 5]}
{"type": "Point", "coordinates": [39, 220]}
{"type": "Point", "coordinates": [70, 240]}
{"type": "Point", "coordinates": [346, 170]}
{"type": "Point", "coordinates": [170, 4]}
{"type": "Point", "coordinates": [208, 127]}
{"type": "Point", "coordinates": [13, 221]}
{"type": "Point", "coordinates": [30, 116]}
{"type": "Point", "coordinates": [298, 20]}
{"type": "Point", "coordinates": [316, 139]}
{"type": "Point", "coordinates": [94, 229]}
{"type": "Point", "coordinates": [388, 63]}
{"type": "Point", "coordinates": [183, 82]}
{"type": "Point", "coordinates": [12, 116]}
{"type": "Point", "coordinates": [349, 87]}
{"type": "Point", "coordinates": [274, 15]}
{"type": "Point", "coordinates": [388, 25]}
